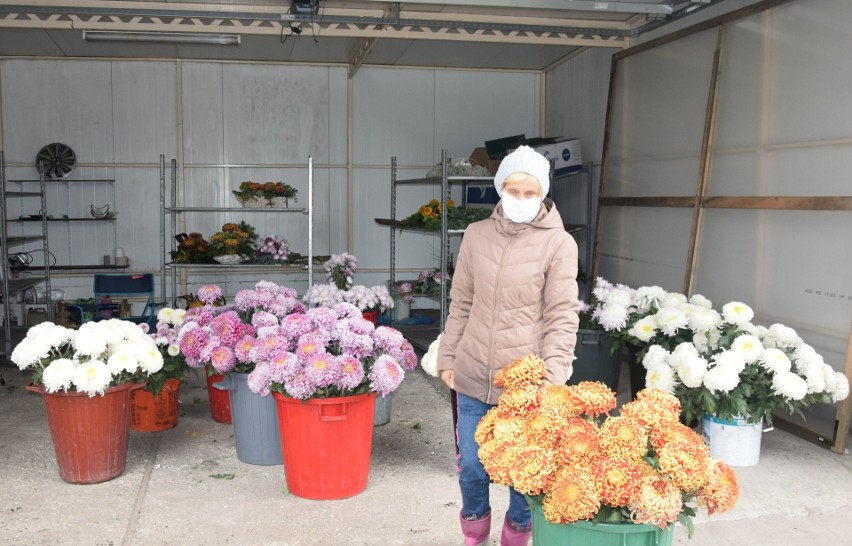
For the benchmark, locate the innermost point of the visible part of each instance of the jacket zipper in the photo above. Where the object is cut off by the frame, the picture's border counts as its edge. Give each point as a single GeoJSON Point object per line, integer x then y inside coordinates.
{"type": "Point", "coordinates": [494, 322]}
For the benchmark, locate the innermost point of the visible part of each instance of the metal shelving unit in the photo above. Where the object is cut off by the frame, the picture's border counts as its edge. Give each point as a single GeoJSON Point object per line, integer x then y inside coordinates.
{"type": "Point", "coordinates": [585, 176]}
{"type": "Point", "coordinates": [170, 210]}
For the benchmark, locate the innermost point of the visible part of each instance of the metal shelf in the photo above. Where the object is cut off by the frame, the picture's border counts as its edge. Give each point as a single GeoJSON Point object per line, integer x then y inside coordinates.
{"type": "Point", "coordinates": [22, 240]}
{"type": "Point", "coordinates": [23, 194]}
{"type": "Point", "coordinates": [66, 180]}
{"type": "Point", "coordinates": [26, 220]}
{"type": "Point", "coordinates": [432, 180]}
{"type": "Point", "coordinates": [19, 285]}
{"type": "Point", "coordinates": [75, 267]}
{"type": "Point", "coordinates": [231, 209]}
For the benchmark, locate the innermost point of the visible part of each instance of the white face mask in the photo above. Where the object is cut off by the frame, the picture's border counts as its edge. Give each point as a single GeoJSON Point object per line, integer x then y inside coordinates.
{"type": "Point", "coordinates": [520, 212]}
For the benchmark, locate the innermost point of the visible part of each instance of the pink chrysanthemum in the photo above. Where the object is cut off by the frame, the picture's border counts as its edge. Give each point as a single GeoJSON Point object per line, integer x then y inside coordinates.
{"type": "Point", "coordinates": [322, 369]}
{"type": "Point", "coordinates": [228, 328]}
{"type": "Point", "coordinates": [406, 356]}
{"type": "Point", "coordinates": [347, 310]}
{"type": "Point", "coordinates": [362, 326]}
{"type": "Point", "coordinates": [202, 315]}
{"type": "Point", "coordinates": [145, 327]}
{"type": "Point", "coordinates": [245, 300]}
{"type": "Point", "coordinates": [356, 345]}
{"type": "Point", "coordinates": [264, 349]}
{"type": "Point", "coordinates": [351, 372]}
{"type": "Point", "coordinates": [296, 325]}
{"type": "Point", "coordinates": [287, 292]}
{"type": "Point", "coordinates": [385, 375]}
{"type": "Point", "coordinates": [207, 348]}
{"type": "Point", "coordinates": [259, 380]}
{"type": "Point", "coordinates": [299, 387]}
{"type": "Point", "coordinates": [268, 331]}
{"type": "Point", "coordinates": [322, 318]}
{"type": "Point", "coordinates": [263, 318]}
{"type": "Point", "coordinates": [242, 349]}
{"type": "Point", "coordinates": [191, 342]}
{"type": "Point", "coordinates": [283, 367]}
{"type": "Point", "coordinates": [309, 345]}
{"type": "Point", "coordinates": [209, 293]}
{"type": "Point", "coordinates": [223, 359]}
{"type": "Point", "coordinates": [268, 287]}
{"type": "Point", "coordinates": [388, 338]}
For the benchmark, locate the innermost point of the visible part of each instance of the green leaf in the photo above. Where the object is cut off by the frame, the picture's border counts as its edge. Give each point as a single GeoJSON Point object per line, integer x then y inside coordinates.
{"type": "Point", "coordinates": [223, 476]}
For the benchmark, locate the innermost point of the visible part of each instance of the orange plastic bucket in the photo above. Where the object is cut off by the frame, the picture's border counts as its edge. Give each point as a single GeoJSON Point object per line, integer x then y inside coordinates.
{"type": "Point", "coordinates": [89, 434]}
{"type": "Point", "coordinates": [326, 444]}
{"type": "Point", "coordinates": [220, 401]}
{"type": "Point", "coordinates": [149, 413]}
{"type": "Point", "coordinates": [372, 316]}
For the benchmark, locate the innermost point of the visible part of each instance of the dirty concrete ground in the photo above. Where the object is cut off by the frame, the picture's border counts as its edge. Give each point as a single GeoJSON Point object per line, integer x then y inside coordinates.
{"type": "Point", "coordinates": [170, 494]}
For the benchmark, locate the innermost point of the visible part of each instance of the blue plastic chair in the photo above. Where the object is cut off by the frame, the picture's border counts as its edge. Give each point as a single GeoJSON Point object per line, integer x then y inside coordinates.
{"type": "Point", "coordinates": [118, 287]}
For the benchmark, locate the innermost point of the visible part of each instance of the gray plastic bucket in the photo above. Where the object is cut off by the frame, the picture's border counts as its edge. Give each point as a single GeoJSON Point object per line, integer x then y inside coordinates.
{"type": "Point", "coordinates": [255, 422]}
{"type": "Point", "coordinates": [593, 359]}
{"type": "Point", "coordinates": [382, 411]}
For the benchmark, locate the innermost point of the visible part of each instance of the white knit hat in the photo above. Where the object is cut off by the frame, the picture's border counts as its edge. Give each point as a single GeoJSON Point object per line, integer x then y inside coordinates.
{"type": "Point", "coordinates": [524, 160]}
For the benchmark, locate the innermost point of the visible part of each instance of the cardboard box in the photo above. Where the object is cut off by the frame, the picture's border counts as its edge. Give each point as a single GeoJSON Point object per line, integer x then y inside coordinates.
{"type": "Point", "coordinates": [480, 156]}
{"type": "Point", "coordinates": [565, 152]}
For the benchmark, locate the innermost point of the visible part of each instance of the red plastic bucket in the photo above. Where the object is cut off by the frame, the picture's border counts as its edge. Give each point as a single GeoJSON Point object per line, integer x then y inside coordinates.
{"type": "Point", "coordinates": [372, 316]}
{"type": "Point", "coordinates": [149, 413]}
{"type": "Point", "coordinates": [326, 444]}
{"type": "Point", "coordinates": [220, 401]}
{"type": "Point", "coordinates": [89, 434]}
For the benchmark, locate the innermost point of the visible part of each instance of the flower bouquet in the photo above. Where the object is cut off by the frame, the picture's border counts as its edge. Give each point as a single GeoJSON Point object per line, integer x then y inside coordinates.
{"type": "Point", "coordinates": [269, 194]}
{"type": "Point", "coordinates": [191, 248]}
{"type": "Point", "coordinates": [272, 249]}
{"type": "Point", "coordinates": [428, 216]}
{"type": "Point", "coordinates": [428, 284]}
{"type": "Point", "coordinates": [174, 364]}
{"type": "Point", "coordinates": [554, 445]}
{"type": "Point", "coordinates": [233, 243]}
{"type": "Point", "coordinates": [340, 270]}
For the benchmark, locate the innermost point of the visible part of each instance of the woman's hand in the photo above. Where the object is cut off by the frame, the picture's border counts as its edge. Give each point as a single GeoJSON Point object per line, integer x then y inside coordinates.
{"type": "Point", "coordinates": [447, 377]}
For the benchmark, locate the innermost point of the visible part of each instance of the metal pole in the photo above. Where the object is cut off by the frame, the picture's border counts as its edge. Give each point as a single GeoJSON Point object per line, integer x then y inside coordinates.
{"type": "Point", "coordinates": [46, 245]}
{"type": "Point", "coordinates": [7, 309]}
{"type": "Point", "coordinates": [393, 233]}
{"type": "Point", "coordinates": [162, 228]}
{"type": "Point", "coordinates": [310, 221]}
{"type": "Point", "coordinates": [445, 238]}
{"type": "Point", "coordinates": [174, 229]}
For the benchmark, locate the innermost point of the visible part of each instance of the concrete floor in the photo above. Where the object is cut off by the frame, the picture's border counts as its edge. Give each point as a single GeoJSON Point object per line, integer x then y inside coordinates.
{"type": "Point", "coordinates": [799, 493]}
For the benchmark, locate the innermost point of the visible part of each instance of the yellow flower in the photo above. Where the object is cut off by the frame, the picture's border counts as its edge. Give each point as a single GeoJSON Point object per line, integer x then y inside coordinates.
{"type": "Point", "coordinates": [508, 428]}
{"type": "Point", "coordinates": [558, 398]}
{"type": "Point", "coordinates": [617, 481]}
{"type": "Point", "coordinates": [451, 203]}
{"type": "Point", "coordinates": [427, 212]}
{"type": "Point", "coordinates": [658, 503]}
{"type": "Point", "coordinates": [685, 463]}
{"type": "Point", "coordinates": [722, 490]}
{"type": "Point", "coordinates": [593, 397]}
{"type": "Point", "coordinates": [624, 438]}
{"type": "Point", "coordinates": [434, 202]}
{"type": "Point", "coordinates": [527, 370]}
{"type": "Point", "coordinates": [542, 427]}
{"type": "Point", "coordinates": [573, 496]}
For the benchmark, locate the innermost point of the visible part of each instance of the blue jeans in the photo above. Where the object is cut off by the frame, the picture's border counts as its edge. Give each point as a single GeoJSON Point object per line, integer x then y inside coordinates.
{"type": "Point", "coordinates": [473, 479]}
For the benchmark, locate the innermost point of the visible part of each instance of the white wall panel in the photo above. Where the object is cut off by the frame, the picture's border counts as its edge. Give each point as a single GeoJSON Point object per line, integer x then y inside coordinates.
{"type": "Point", "coordinates": [202, 107]}
{"type": "Point", "coordinates": [57, 101]}
{"type": "Point", "coordinates": [144, 111]}
{"type": "Point", "coordinates": [338, 116]}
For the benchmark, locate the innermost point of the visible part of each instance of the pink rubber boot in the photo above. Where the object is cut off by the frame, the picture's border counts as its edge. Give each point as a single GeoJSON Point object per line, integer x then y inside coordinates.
{"type": "Point", "coordinates": [511, 536]}
{"type": "Point", "coordinates": [476, 531]}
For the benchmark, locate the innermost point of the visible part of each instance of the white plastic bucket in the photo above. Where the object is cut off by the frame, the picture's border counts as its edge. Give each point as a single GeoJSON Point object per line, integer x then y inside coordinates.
{"type": "Point", "coordinates": [735, 442]}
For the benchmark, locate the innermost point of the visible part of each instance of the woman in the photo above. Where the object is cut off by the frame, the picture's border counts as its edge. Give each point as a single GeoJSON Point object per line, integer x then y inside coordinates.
{"type": "Point", "coordinates": [514, 293]}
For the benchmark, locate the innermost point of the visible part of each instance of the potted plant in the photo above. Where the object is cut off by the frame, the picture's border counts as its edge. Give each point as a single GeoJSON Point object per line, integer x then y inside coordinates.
{"type": "Point", "coordinates": [340, 271]}
{"type": "Point", "coordinates": [269, 194]}
{"type": "Point", "coordinates": [192, 248]}
{"type": "Point", "coordinates": [592, 478]}
{"type": "Point", "coordinates": [324, 368]}
{"type": "Point", "coordinates": [155, 408]}
{"type": "Point", "coordinates": [85, 377]}
{"type": "Point", "coordinates": [232, 339]}
{"type": "Point", "coordinates": [233, 244]}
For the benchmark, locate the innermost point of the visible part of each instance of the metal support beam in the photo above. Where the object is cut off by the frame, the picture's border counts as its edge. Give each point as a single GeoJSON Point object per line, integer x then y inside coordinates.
{"type": "Point", "coordinates": [577, 5]}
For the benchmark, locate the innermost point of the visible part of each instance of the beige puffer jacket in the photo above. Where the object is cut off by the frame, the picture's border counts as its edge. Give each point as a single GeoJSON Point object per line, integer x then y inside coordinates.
{"type": "Point", "coordinates": [514, 293]}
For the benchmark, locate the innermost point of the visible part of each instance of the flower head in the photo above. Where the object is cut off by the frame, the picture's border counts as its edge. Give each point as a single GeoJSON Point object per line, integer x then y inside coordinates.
{"type": "Point", "coordinates": [736, 312]}
{"type": "Point", "coordinates": [385, 375]}
{"type": "Point", "coordinates": [721, 489]}
{"type": "Point", "coordinates": [209, 293]}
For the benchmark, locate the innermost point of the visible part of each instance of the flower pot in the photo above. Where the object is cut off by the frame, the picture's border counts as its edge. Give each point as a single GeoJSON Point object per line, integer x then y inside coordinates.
{"type": "Point", "coordinates": [255, 420]}
{"type": "Point", "coordinates": [149, 413]}
{"type": "Point", "coordinates": [326, 444]}
{"type": "Point", "coordinates": [586, 533]}
{"type": "Point", "coordinates": [220, 401]}
{"type": "Point", "coordinates": [735, 442]}
{"type": "Point", "coordinates": [637, 370]}
{"type": "Point", "coordinates": [253, 203]}
{"type": "Point", "coordinates": [372, 316]}
{"type": "Point", "coordinates": [594, 359]}
{"type": "Point", "coordinates": [89, 434]}
{"type": "Point", "coordinates": [229, 259]}
{"type": "Point", "coordinates": [382, 411]}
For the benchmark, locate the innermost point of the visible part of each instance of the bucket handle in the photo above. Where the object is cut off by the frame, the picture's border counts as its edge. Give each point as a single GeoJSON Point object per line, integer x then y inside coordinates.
{"type": "Point", "coordinates": [225, 385]}
{"type": "Point", "coordinates": [339, 416]}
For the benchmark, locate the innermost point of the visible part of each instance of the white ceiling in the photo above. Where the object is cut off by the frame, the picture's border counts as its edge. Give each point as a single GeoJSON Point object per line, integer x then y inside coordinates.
{"type": "Point", "coordinates": [487, 34]}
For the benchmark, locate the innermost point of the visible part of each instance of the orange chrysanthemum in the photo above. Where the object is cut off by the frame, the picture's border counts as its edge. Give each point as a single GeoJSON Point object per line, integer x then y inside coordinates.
{"type": "Point", "coordinates": [624, 438]}
{"type": "Point", "coordinates": [593, 397]}
{"type": "Point", "coordinates": [653, 408]}
{"type": "Point", "coordinates": [573, 496]}
{"type": "Point", "coordinates": [518, 401]}
{"type": "Point", "coordinates": [659, 502]}
{"type": "Point", "coordinates": [673, 432]}
{"type": "Point", "coordinates": [685, 463]}
{"type": "Point", "coordinates": [532, 469]}
{"type": "Point", "coordinates": [485, 428]}
{"type": "Point", "coordinates": [559, 399]}
{"type": "Point", "coordinates": [527, 370]}
{"type": "Point", "coordinates": [617, 481]}
{"type": "Point", "coordinates": [579, 444]}
{"type": "Point", "coordinates": [542, 427]}
{"type": "Point", "coordinates": [496, 458]}
{"type": "Point", "coordinates": [722, 489]}
{"type": "Point", "coordinates": [508, 428]}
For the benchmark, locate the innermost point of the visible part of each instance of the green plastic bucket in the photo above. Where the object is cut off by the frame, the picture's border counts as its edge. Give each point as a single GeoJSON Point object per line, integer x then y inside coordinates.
{"type": "Point", "coordinates": [594, 361]}
{"type": "Point", "coordinates": [584, 533]}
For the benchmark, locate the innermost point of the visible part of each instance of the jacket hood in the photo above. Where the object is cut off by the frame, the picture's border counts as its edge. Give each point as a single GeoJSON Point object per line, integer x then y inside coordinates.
{"type": "Point", "coordinates": [548, 218]}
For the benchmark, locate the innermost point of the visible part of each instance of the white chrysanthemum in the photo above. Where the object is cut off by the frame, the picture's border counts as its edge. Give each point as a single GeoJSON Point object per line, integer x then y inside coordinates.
{"type": "Point", "coordinates": [150, 359]}
{"type": "Point", "coordinates": [841, 389]}
{"type": "Point", "coordinates": [736, 312]}
{"type": "Point", "coordinates": [691, 371]}
{"type": "Point", "coordinates": [661, 377]}
{"type": "Point", "coordinates": [621, 296]}
{"type": "Point", "coordinates": [721, 379]}
{"type": "Point", "coordinates": [670, 320]}
{"type": "Point", "coordinates": [683, 352]}
{"type": "Point", "coordinates": [830, 378]}
{"type": "Point", "coordinates": [89, 340]}
{"type": "Point", "coordinates": [687, 309]}
{"type": "Point", "coordinates": [177, 316]}
{"type": "Point", "coordinates": [28, 352]}
{"type": "Point", "coordinates": [92, 377]}
{"type": "Point", "coordinates": [112, 330]}
{"type": "Point", "coordinates": [123, 361]}
{"type": "Point", "coordinates": [161, 340]}
{"type": "Point", "coordinates": [613, 317]}
{"type": "Point", "coordinates": [783, 336]}
{"type": "Point", "coordinates": [49, 334]}
{"type": "Point", "coordinates": [789, 385]}
{"type": "Point", "coordinates": [429, 362]}
{"type": "Point", "coordinates": [700, 301]}
{"type": "Point", "coordinates": [58, 375]}
{"type": "Point", "coordinates": [699, 339]}
{"type": "Point", "coordinates": [672, 299]}
{"type": "Point", "coordinates": [713, 339]}
{"type": "Point", "coordinates": [759, 332]}
{"type": "Point", "coordinates": [815, 378]}
{"type": "Point", "coordinates": [704, 320]}
{"type": "Point", "coordinates": [644, 329]}
{"type": "Point", "coordinates": [601, 289]}
{"type": "Point", "coordinates": [805, 356]}
{"type": "Point", "coordinates": [173, 350]}
{"type": "Point", "coordinates": [166, 314]}
{"type": "Point", "coordinates": [131, 331]}
{"type": "Point", "coordinates": [775, 360]}
{"type": "Point", "coordinates": [646, 297]}
{"type": "Point", "coordinates": [749, 347]}
{"type": "Point", "coordinates": [730, 359]}
{"type": "Point", "coordinates": [655, 356]}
